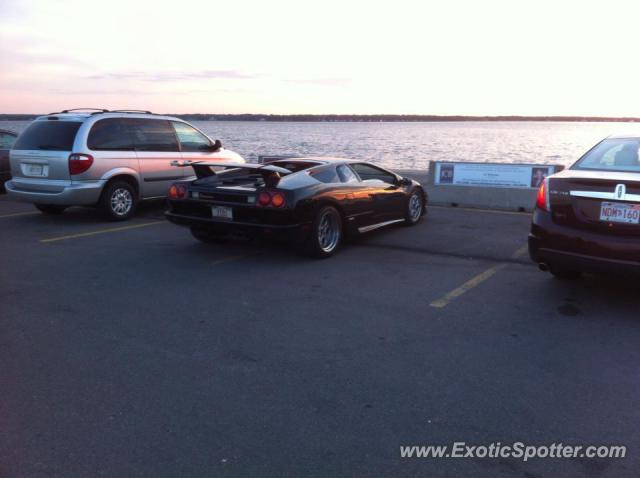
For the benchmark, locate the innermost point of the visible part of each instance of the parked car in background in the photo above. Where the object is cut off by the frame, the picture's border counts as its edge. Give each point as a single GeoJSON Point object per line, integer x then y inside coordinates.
{"type": "Point", "coordinates": [7, 138]}
{"type": "Point", "coordinates": [587, 217]}
{"type": "Point", "coordinates": [108, 159]}
{"type": "Point", "coordinates": [314, 201]}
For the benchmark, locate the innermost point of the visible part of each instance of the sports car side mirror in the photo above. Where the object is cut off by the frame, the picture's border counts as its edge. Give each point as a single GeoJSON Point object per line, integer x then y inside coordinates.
{"type": "Point", "coordinates": [405, 182]}
{"type": "Point", "coordinates": [216, 146]}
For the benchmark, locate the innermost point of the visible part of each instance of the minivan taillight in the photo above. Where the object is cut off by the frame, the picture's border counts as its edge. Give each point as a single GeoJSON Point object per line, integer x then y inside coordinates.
{"type": "Point", "coordinates": [542, 201]}
{"type": "Point", "coordinates": [177, 191]}
{"type": "Point", "coordinates": [79, 163]}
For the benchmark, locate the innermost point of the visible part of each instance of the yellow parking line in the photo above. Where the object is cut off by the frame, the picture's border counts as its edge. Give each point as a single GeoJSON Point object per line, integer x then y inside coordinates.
{"type": "Point", "coordinates": [16, 214]}
{"type": "Point", "coordinates": [467, 286]}
{"type": "Point", "coordinates": [101, 231]}
{"type": "Point", "coordinates": [473, 209]}
{"type": "Point", "coordinates": [475, 281]}
{"type": "Point", "coordinates": [520, 252]}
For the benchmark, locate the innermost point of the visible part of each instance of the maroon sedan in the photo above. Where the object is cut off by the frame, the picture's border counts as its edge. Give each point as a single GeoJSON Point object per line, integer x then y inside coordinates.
{"type": "Point", "coordinates": [587, 217]}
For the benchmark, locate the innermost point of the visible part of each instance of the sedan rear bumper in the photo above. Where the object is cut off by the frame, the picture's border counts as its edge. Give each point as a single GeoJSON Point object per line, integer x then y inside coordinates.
{"type": "Point", "coordinates": [581, 250]}
{"type": "Point", "coordinates": [64, 193]}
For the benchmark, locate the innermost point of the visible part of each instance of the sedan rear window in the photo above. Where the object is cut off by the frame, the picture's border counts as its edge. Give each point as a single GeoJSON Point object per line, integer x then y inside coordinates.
{"type": "Point", "coordinates": [48, 135]}
{"type": "Point", "coordinates": [620, 154]}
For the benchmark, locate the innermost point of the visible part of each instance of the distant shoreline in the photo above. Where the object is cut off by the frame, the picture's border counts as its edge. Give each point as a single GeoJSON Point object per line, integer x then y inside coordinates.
{"type": "Point", "coordinates": [369, 118]}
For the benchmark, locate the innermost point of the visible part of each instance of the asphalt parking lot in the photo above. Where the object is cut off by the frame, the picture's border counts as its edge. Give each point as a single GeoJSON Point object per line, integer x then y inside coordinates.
{"type": "Point", "coordinates": [130, 349]}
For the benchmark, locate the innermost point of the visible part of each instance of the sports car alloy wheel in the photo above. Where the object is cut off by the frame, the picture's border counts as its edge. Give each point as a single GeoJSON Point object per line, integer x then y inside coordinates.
{"type": "Point", "coordinates": [328, 230]}
{"type": "Point", "coordinates": [415, 207]}
{"type": "Point", "coordinates": [121, 202]}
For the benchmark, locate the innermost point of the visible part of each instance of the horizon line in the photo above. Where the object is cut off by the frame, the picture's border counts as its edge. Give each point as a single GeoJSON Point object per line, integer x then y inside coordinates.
{"type": "Point", "coordinates": [375, 116]}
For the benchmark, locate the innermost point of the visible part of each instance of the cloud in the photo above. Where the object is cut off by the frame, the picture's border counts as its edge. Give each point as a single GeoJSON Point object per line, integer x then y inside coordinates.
{"type": "Point", "coordinates": [175, 75]}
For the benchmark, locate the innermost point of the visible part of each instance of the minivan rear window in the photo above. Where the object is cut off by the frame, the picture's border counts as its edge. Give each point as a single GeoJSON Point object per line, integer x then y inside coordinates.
{"type": "Point", "coordinates": [48, 135]}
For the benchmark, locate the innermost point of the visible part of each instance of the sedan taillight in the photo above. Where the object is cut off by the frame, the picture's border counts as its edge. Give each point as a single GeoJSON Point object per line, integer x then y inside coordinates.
{"type": "Point", "coordinates": [542, 201]}
{"type": "Point", "coordinates": [79, 163]}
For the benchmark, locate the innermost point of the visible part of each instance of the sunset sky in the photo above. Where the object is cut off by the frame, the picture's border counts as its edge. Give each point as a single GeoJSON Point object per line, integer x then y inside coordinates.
{"type": "Point", "coordinates": [295, 56]}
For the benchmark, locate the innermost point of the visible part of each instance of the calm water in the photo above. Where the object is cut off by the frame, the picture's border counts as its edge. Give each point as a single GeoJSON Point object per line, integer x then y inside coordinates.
{"type": "Point", "coordinates": [411, 145]}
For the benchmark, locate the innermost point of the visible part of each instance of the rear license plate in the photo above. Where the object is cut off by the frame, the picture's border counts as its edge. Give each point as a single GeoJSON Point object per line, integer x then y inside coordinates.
{"type": "Point", "coordinates": [222, 212]}
{"type": "Point", "coordinates": [620, 212]}
{"type": "Point", "coordinates": [35, 169]}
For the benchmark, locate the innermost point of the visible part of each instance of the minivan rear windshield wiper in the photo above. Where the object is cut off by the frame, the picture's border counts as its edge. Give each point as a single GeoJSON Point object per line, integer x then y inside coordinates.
{"type": "Point", "coordinates": [51, 147]}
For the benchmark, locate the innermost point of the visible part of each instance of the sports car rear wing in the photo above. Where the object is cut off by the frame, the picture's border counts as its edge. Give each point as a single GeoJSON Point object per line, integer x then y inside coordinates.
{"type": "Point", "coordinates": [203, 168]}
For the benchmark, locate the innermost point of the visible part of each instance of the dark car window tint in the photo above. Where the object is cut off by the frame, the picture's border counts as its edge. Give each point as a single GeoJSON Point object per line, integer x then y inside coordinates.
{"type": "Point", "coordinates": [366, 171]}
{"type": "Point", "coordinates": [612, 155]}
{"type": "Point", "coordinates": [346, 174]}
{"type": "Point", "coordinates": [7, 140]}
{"type": "Point", "coordinates": [111, 134]}
{"type": "Point", "coordinates": [153, 135]}
{"type": "Point", "coordinates": [48, 135]}
{"type": "Point", "coordinates": [326, 175]}
{"type": "Point", "coordinates": [191, 140]}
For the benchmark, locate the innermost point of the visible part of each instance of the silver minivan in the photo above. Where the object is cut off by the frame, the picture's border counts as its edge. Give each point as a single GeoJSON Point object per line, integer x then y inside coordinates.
{"type": "Point", "coordinates": [108, 159]}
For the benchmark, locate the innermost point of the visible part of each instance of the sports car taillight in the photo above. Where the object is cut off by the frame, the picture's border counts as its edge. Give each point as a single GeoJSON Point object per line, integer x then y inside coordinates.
{"type": "Point", "coordinates": [264, 198]}
{"type": "Point", "coordinates": [79, 163]}
{"type": "Point", "coordinates": [177, 191]}
{"type": "Point", "coordinates": [271, 198]}
{"type": "Point", "coordinates": [277, 200]}
{"type": "Point", "coordinates": [542, 201]}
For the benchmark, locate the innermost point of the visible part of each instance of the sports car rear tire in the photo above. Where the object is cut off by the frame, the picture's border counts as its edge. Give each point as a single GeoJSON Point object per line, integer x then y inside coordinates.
{"type": "Point", "coordinates": [415, 207]}
{"type": "Point", "coordinates": [326, 233]}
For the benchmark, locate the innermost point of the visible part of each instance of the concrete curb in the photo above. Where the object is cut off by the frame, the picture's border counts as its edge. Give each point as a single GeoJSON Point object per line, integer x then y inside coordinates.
{"type": "Point", "coordinates": [506, 199]}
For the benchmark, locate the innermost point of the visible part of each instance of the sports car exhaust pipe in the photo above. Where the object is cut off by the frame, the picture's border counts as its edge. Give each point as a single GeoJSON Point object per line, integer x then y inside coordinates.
{"type": "Point", "coordinates": [543, 267]}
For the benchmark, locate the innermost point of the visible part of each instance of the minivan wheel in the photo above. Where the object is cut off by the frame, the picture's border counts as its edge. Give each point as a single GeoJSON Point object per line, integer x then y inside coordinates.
{"type": "Point", "coordinates": [118, 201]}
{"type": "Point", "coordinates": [50, 208]}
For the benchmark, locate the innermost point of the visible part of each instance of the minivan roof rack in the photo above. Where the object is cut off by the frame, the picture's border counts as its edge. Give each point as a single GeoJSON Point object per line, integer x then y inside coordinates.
{"type": "Point", "coordinates": [131, 111]}
{"type": "Point", "coordinates": [101, 110]}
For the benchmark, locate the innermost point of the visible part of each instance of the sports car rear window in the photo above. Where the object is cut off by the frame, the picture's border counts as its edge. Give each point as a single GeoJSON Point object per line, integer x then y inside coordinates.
{"type": "Point", "coordinates": [293, 166]}
{"type": "Point", "coordinates": [48, 135]}
{"type": "Point", "coordinates": [619, 154]}
{"type": "Point", "coordinates": [326, 175]}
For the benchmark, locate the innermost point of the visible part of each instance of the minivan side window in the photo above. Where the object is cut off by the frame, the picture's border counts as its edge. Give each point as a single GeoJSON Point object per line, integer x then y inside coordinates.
{"type": "Point", "coordinates": [191, 140]}
{"type": "Point", "coordinates": [111, 134]}
{"type": "Point", "coordinates": [48, 135]}
{"type": "Point", "coordinates": [153, 135]}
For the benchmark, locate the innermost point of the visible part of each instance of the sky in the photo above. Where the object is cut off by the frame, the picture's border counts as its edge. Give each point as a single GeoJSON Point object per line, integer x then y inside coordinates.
{"type": "Point", "coordinates": [488, 57]}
